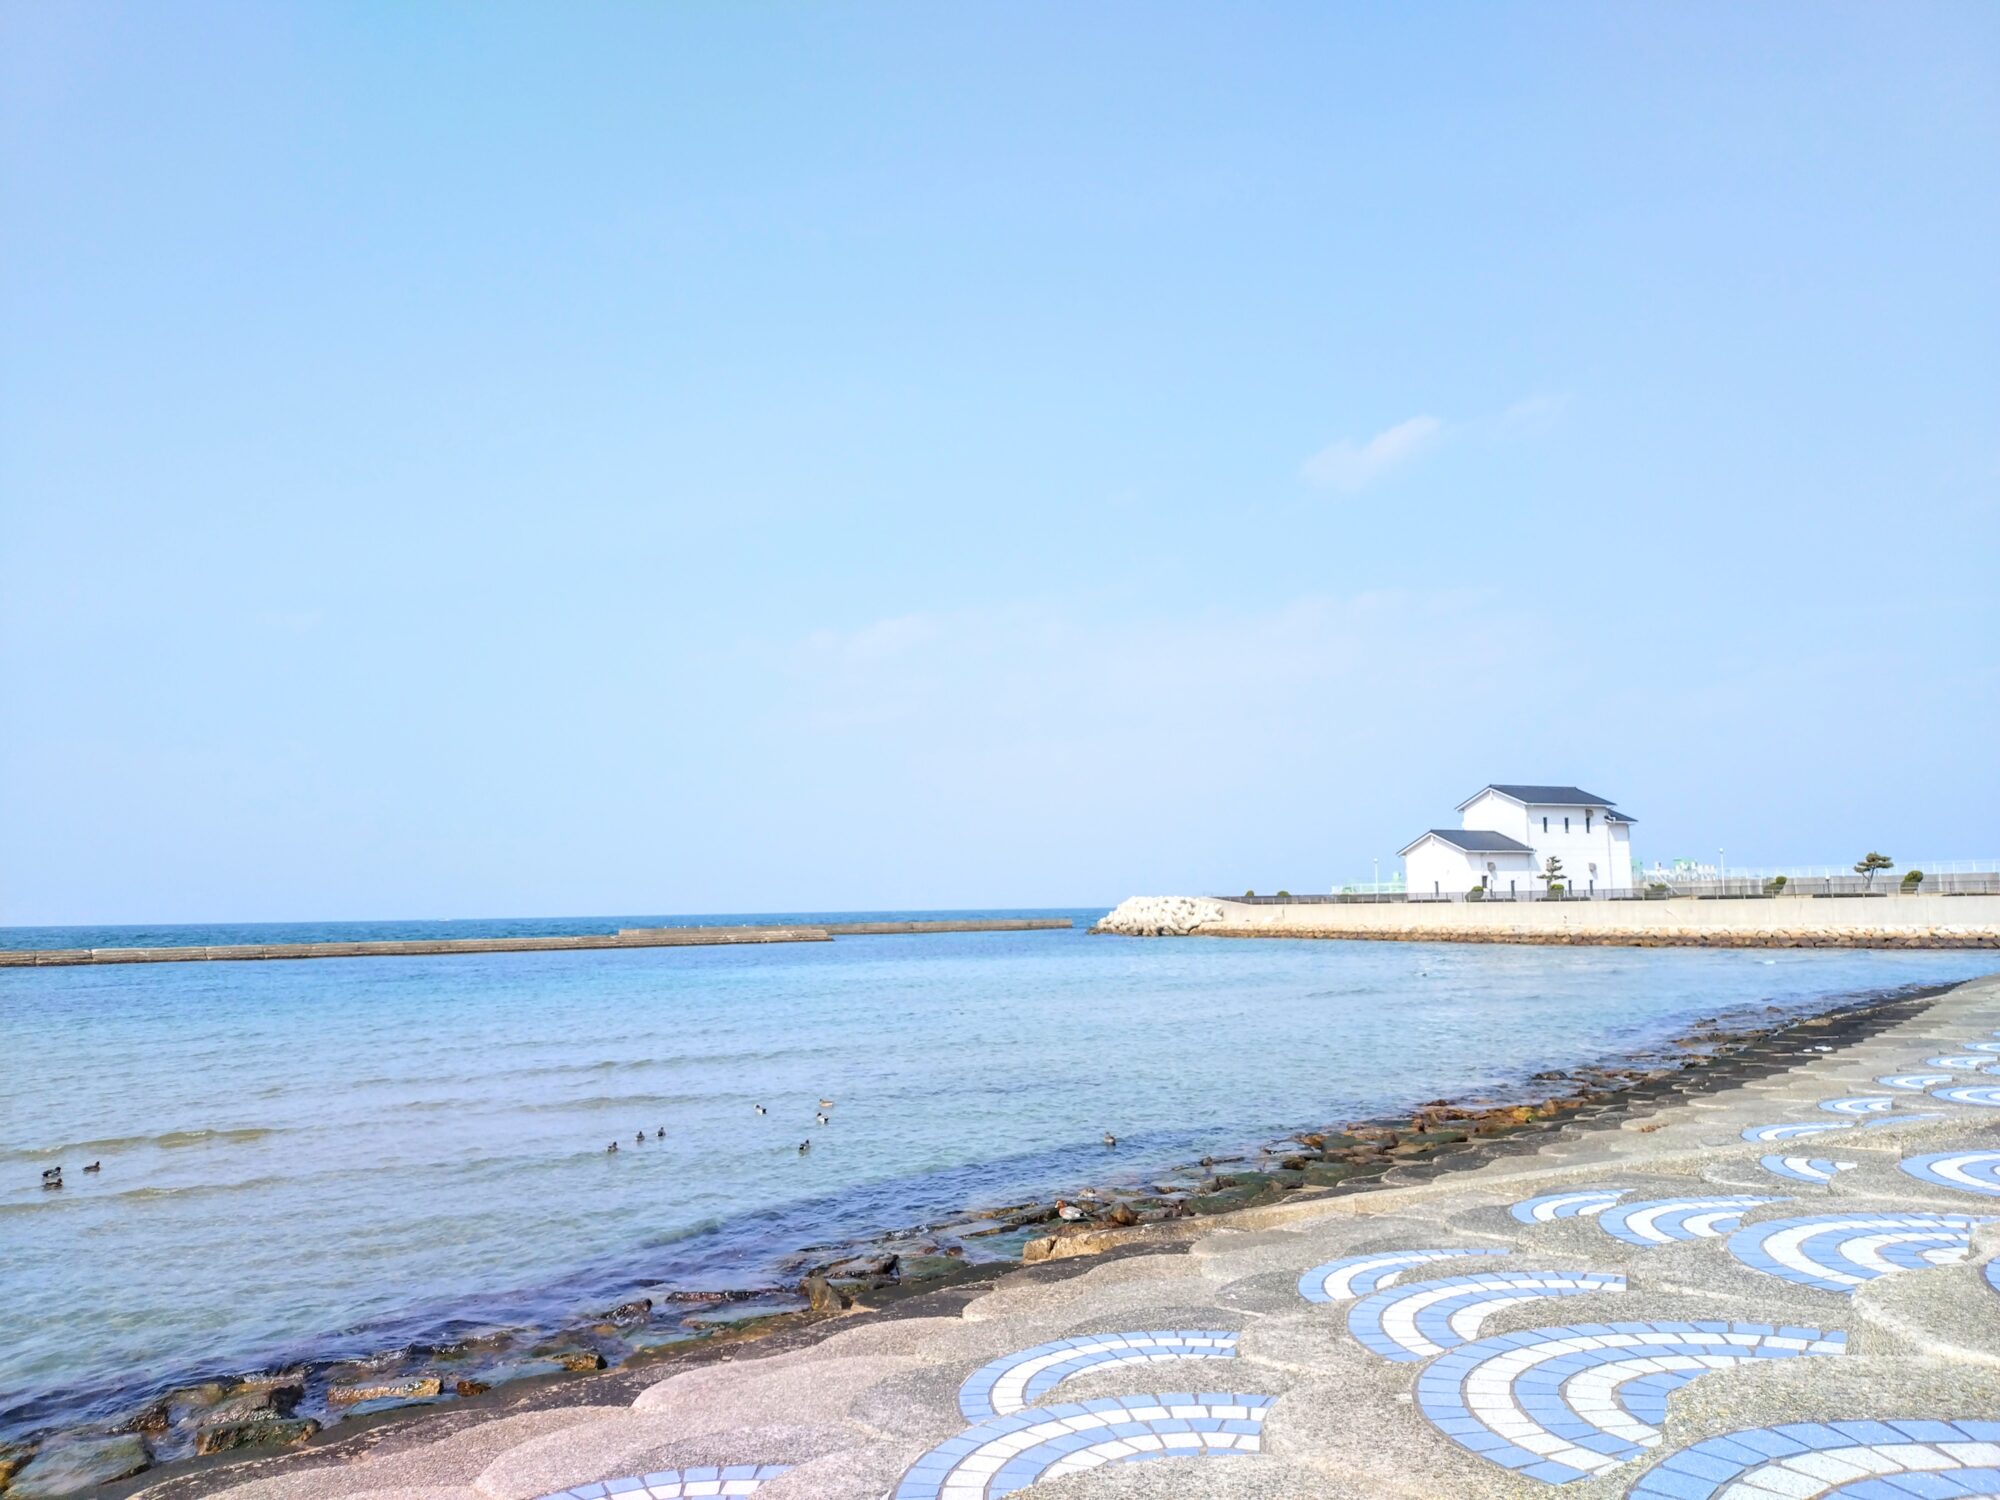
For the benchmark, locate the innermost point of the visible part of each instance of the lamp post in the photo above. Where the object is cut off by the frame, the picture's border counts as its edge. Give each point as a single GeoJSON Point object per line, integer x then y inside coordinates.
{"type": "Point", "coordinates": [1375, 885]}
{"type": "Point", "coordinates": [1721, 872]}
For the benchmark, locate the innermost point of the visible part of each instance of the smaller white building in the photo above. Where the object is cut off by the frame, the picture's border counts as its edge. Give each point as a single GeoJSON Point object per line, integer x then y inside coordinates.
{"type": "Point", "coordinates": [1508, 834]}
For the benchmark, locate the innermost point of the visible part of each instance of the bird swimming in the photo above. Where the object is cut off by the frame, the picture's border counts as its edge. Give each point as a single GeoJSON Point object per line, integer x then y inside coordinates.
{"type": "Point", "coordinates": [826, 1104]}
{"type": "Point", "coordinates": [821, 1118]}
{"type": "Point", "coordinates": [93, 1166]}
{"type": "Point", "coordinates": [52, 1177]}
{"type": "Point", "coordinates": [1110, 1139]}
{"type": "Point", "coordinates": [760, 1109]}
{"type": "Point", "coordinates": [804, 1147]}
{"type": "Point", "coordinates": [639, 1139]}
{"type": "Point", "coordinates": [660, 1134]}
{"type": "Point", "coordinates": [612, 1149]}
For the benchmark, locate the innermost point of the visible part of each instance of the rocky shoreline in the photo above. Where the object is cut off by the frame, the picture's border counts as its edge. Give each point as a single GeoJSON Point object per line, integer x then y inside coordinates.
{"type": "Point", "coordinates": [195, 1426]}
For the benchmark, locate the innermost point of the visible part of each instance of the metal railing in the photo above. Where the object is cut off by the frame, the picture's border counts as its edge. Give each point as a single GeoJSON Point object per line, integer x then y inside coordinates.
{"type": "Point", "coordinates": [1890, 886]}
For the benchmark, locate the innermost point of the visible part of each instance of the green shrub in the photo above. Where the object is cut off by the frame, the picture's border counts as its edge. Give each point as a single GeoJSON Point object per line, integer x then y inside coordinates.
{"type": "Point", "coordinates": [1555, 887]}
{"type": "Point", "coordinates": [1775, 886]}
{"type": "Point", "coordinates": [1912, 879]}
{"type": "Point", "coordinates": [1477, 893]}
{"type": "Point", "coordinates": [1249, 893]}
{"type": "Point", "coordinates": [1284, 895]}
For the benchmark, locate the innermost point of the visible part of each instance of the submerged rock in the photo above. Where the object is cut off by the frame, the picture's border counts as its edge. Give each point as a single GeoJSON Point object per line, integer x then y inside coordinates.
{"type": "Point", "coordinates": [69, 1468]}
{"type": "Point", "coordinates": [12, 1457]}
{"type": "Point", "coordinates": [928, 1267]}
{"type": "Point", "coordinates": [414, 1388]}
{"type": "Point", "coordinates": [822, 1296]}
{"type": "Point", "coordinates": [573, 1359]}
{"type": "Point", "coordinates": [264, 1431]}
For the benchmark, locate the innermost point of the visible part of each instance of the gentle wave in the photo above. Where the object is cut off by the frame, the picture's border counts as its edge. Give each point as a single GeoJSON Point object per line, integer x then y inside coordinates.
{"type": "Point", "coordinates": [85, 1202]}
{"type": "Point", "coordinates": [170, 1140]}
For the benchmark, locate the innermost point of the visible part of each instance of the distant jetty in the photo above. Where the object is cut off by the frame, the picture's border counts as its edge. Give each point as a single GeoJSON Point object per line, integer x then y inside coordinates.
{"type": "Point", "coordinates": [625, 937]}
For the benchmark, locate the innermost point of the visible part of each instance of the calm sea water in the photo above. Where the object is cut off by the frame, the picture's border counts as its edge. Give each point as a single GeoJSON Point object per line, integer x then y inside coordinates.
{"type": "Point", "coordinates": [322, 1157]}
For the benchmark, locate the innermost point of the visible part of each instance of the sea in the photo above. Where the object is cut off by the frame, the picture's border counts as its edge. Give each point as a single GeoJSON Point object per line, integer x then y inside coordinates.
{"type": "Point", "coordinates": [312, 1160]}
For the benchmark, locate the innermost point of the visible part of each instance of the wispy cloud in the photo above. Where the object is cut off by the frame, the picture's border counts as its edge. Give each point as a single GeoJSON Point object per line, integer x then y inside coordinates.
{"type": "Point", "coordinates": [1533, 413]}
{"type": "Point", "coordinates": [1349, 466]}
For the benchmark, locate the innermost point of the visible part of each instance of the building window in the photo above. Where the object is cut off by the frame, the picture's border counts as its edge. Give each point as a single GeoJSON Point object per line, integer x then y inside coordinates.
{"type": "Point", "coordinates": [1565, 825]}
{"type": "Point", "coordinates": [1545, 825]}
{"type": "Point", "coordinates": [1586, 822]}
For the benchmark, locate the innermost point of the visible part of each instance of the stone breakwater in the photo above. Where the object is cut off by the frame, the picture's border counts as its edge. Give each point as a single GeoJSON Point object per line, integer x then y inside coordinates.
{"type": "Point", "coordinates": [1834, 922]}
{"type": "Point", "coordinates": [625, 937]}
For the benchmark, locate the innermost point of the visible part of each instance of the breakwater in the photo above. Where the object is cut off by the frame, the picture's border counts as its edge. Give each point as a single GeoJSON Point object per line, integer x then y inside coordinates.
{"type": "Point", "coordinates": [1779, 922]}
{"type": "Point", "coordinates": [625, 937]}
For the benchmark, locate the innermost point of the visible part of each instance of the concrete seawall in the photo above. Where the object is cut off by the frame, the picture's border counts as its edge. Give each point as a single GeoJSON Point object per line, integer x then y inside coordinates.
{"type": "Point", "coordinates": [629, 937]}
{"type": "Point", "coordinates": [1895, 921]}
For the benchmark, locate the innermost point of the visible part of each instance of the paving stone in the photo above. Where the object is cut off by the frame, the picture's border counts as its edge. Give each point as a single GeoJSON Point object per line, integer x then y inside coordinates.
{"type": "Point", "coordinates": [631, 1443]}
{"type": "Point", "coordinates": [796, 1391]}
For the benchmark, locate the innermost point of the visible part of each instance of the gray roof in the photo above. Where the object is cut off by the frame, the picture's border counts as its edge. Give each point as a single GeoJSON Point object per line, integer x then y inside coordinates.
{"type": "Point", "coordinates": [1546, 796]}
{"type": "Point", "coordinates": [1473, 840]}
{"type": "Point", "coordinates": [1613, 815]}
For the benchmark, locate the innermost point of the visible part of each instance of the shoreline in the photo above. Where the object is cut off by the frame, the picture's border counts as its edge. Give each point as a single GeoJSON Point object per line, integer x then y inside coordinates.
{"type": "Point", "coordinates": [416, 1384]}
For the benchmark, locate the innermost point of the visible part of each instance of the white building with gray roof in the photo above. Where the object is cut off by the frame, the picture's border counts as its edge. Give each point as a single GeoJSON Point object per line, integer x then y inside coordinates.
{"type": "Point", "coordinates": [1509, 831]}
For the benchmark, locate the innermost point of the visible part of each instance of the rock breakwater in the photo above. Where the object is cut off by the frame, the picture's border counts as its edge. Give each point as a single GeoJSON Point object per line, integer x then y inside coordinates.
{"type": "Point", "coordinates": [1163, 916]}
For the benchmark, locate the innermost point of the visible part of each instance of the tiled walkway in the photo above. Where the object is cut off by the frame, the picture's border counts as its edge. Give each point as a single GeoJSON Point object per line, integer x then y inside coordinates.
{"type": "Point", "coordinates": [1834, 1334]}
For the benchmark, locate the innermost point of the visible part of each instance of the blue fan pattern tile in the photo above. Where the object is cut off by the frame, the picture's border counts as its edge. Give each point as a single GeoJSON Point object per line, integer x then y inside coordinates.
{"type": "Point", "coordinates": [678, 1484]}
{"type": "Point", "coordinates": [1007, 1453]}
{"type": "Point", "coordinates": [1560, 1404]}
{"type": "Point", "coordinates": [1958, 1062]}
{"type": "Point", "coordinates": [1837, 1252]}
{"type": "Point", "coordinates": [1900, 1460]}
{"type": "Point", "coordinates": [1413, 1321]}
{"type": "Point", "coordinates": [1985, 1094]}
{"type": "Point", "coordinates": [1016, 1381]}
{"type": "Point", "coordinates": [1575, 1203]}
{"type": "Point", "coordinates": [1765, 1134]}
{"type": "Point", "coordinates": [1661, 1221]}
{"type": "Point", "coordinates": [1357, 1275]}
{"type": "Point", "coordinates": [1968, 1171]}
{"type": "Point", "coordinates": [1761, 1134]}
{"type": "Point", "coordinates": [1859, 1104]}
{"type": "Point", "coordinates": [1914, 1083]}
{"type": "Point", "coordinates": [1814, 1169]}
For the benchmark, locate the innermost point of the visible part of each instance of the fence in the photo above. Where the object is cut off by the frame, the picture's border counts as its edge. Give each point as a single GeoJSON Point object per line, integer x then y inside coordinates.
{"type": "Point", "coordinates": [1662, 887]}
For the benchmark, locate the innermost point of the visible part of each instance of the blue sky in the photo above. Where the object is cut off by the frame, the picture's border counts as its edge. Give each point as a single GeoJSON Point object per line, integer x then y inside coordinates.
{"type": "Point", "coordinates": [509, 459]}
